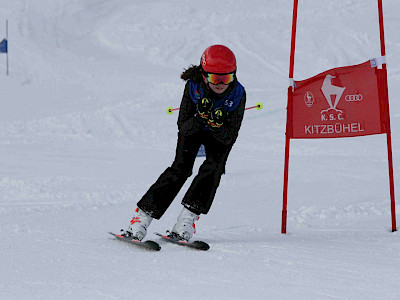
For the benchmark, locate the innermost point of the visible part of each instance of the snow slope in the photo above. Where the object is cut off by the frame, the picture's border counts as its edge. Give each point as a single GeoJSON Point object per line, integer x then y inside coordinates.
{"type": "Point", "coordinates": [84, 133]}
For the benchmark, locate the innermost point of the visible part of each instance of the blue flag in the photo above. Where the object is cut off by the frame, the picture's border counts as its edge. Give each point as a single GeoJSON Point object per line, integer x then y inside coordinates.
{"type": "Point", "coordinates": [3, 46]}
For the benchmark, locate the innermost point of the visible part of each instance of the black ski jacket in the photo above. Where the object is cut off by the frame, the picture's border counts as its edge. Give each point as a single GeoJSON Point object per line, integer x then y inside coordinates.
{"type": "Point", "coordinates": [188, 124]}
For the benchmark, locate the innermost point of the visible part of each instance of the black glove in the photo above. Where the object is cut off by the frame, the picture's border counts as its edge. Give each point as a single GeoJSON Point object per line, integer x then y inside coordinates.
{"type": "Point", "coordinates": [204, 107]}
{"type": "Point", "coordinates": [217, 118]}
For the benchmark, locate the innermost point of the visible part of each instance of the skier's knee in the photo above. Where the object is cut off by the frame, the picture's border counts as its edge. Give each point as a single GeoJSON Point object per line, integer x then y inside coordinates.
{"type": "Point", "coordinates": [181, 170]}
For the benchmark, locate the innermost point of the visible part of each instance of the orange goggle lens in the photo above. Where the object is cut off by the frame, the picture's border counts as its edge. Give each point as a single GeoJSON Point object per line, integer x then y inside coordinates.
{"type": "Point", "coordinates": [220, 78]}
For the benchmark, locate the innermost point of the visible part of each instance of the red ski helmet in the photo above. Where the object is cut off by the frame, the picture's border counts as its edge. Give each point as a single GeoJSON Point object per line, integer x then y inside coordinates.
{"type": "Point", "coordinates": [218, 59]}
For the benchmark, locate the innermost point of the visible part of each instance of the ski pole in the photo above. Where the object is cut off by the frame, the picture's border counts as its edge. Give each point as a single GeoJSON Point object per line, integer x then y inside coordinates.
{"type": "Point", "coordinates": [170, 110]}
{"type": "Point", "coordinates": [258, 106]}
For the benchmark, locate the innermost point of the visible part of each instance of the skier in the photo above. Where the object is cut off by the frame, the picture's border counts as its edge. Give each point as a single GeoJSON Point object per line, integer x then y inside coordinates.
{"type": "Point", "coordinates": [211, 114]}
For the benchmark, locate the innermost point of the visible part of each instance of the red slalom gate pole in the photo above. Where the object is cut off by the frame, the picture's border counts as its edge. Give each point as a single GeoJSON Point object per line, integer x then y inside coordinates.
{"type": "Point", "coordinates": [289, 118]}
{"type": "Point", "coordinates": [388, 134]}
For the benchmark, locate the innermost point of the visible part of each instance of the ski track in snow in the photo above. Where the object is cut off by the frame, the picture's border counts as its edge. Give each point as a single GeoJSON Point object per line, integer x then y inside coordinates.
{"type": "Point", "coordinates": [84, 133]}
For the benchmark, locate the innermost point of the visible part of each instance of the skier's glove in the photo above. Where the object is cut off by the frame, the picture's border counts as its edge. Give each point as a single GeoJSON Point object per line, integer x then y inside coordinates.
{"type": "Point", "coordinates": [217, 119]}
{"type": "Point", "coordinates": [204, 107]}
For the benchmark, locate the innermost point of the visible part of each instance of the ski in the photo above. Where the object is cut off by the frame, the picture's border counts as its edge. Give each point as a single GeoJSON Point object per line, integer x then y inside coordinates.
{"type": "Point", "coordinates": [198, 245]}
{"type": "Point", "coordinates": [148, 245]}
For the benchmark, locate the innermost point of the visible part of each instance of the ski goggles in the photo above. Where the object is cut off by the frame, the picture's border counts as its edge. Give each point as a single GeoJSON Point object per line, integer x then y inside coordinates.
{"type": "Point", "coordinates": [219, 78]}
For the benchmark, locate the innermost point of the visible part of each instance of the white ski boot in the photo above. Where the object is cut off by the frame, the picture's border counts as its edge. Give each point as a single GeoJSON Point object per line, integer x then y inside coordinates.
{"type": "Point", "coordinates": [139, 223]}
{"type": "Point", "coordinates": [185, 227]}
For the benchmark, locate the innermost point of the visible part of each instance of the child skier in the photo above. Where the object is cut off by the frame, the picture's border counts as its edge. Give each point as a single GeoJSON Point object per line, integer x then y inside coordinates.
{"type": "Point", "coordinates": [211, 114]}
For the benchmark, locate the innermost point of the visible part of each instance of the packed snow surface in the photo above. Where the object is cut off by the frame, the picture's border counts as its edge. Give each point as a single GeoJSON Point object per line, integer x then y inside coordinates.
{"type": "Point", "coordinates": [84, 133]}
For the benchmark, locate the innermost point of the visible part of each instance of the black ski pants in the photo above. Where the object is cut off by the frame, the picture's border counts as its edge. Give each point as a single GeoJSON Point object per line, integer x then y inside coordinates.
{"type": "Point", "coordinates": [201, 192]}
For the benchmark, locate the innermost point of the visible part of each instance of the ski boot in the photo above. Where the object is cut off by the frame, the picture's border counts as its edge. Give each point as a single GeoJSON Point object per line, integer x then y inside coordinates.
{"type": "Point", "coordinates": [137, 230]}
{"type": "Point", "coordinates": [185, 227]}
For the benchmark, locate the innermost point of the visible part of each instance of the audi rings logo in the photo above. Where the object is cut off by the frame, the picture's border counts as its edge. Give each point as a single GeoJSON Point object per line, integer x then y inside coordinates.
{"type": "Point", "coordinates": [309, 99]}
{"type": "Point", "coordinates": [354, 98]}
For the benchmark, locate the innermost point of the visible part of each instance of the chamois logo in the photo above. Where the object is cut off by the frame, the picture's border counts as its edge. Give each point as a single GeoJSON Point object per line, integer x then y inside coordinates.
{"type": "Point", "coordinates": [332, 95]}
